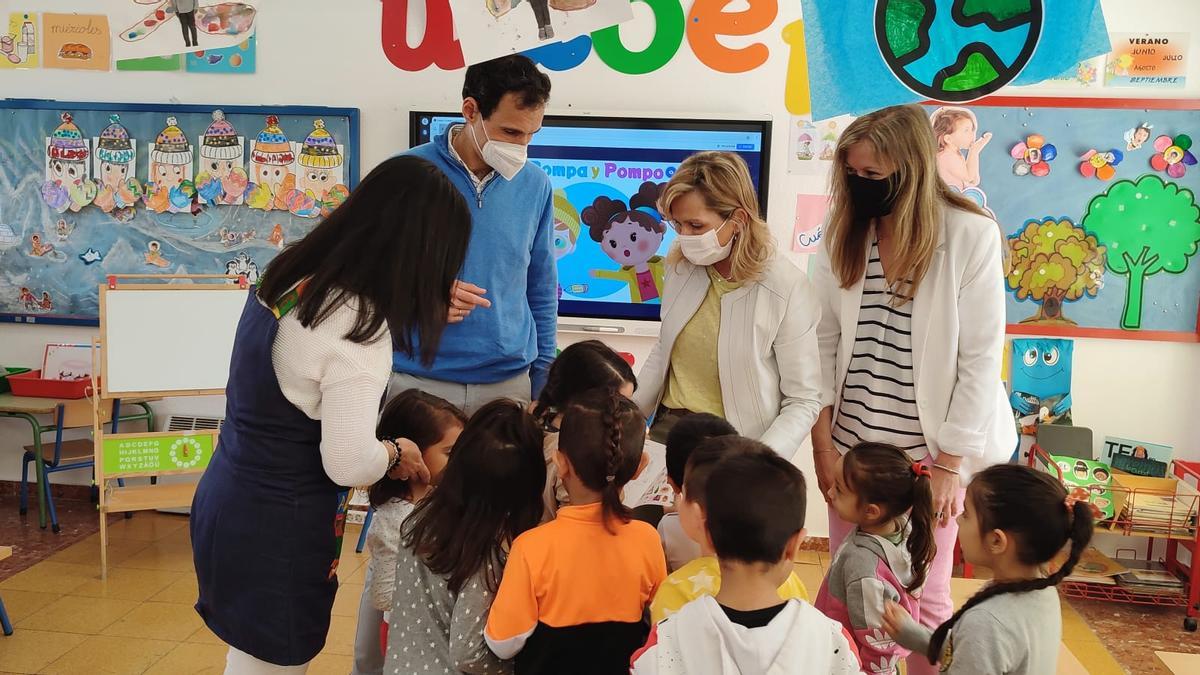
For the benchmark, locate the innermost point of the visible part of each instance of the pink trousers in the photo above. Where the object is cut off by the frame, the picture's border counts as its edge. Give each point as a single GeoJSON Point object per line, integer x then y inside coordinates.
{"type": "Point", "coordinates": [935, 602]}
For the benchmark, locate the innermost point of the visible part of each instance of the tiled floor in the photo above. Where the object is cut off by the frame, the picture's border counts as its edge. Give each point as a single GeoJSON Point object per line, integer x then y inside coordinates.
{"type": "Point", "coordinates": [140, 620]}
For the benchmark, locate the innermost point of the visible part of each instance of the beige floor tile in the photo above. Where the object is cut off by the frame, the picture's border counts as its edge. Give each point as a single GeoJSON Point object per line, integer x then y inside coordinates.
{"type": "Point", "coordinates": [358, 577]}
{"type": "Point", "coordinates": [107, 655]}
{"type": "Point", "coordinates": [28, 651]}
{"type": "Point", "coordinates": [341, 635]}
{"type": "Point", "coordinates": [21, 604]}
{"type": "Point", "coordinates": [87, 552]}
{"type": "Point", "coordinates": [331, 664]}
{"type": "Point", "coordinates": [160, 556]}
{"type": "Point", "coordinates": [49, 577]}
{"type": "Point", "coordinates": [811, 576]}
{"type": "Point", "coordinates": [808, 558]}
{"type": "Point", "coordinates": [204, 636]}
{"type": "Point", "coordinates": [129, 584]}
{"type": "Point", "coordinates": [157, 621]}
{"type": "Point", "coordinates": [182, 591]}
{"type": "Point", "coordinates": [192, 659]}
{"type": "Point", "coordinates": [1094, 657]}
{"type": "Point", "coordinates": [346, 602]}
{"type": "Point", "coordinates": [71, 614]}
{"type": "Point", "coordinates": [147, 526]}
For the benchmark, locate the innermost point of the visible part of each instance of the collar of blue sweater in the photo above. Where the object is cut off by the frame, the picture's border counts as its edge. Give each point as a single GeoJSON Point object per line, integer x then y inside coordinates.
{"type": "Point", "coordinates": [451, 133]}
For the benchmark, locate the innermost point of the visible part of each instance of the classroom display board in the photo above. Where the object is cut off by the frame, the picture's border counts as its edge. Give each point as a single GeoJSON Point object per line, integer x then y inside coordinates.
{"type": "Point", "coordinates": [89, 190]}
{"type": "Point", "coordinates": [1098, 201]}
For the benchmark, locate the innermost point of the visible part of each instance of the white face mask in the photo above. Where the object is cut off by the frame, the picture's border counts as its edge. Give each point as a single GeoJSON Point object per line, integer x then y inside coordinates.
{"type": "Point", "coordinates": [506, 158]}
{"type": "Point", "coordinates": [705, 249]}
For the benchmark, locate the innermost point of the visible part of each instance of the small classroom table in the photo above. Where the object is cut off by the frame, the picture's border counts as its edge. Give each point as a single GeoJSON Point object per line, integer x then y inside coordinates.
{"type": "Point", "coordinates": [28, 408]}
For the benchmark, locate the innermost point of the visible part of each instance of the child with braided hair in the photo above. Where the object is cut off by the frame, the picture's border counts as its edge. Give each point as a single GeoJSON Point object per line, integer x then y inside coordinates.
{"type": "Point", "coordinates": [575, 589]}
{"type": "Point", "coordinates": [1015, 520]}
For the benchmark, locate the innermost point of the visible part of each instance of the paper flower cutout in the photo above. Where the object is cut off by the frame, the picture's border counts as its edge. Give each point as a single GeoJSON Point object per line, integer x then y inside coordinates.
{"type": "Point", "coordinates": [1174, 155]}
{"type": "Point", "coordinates": [1033, 156]}
{"type": "Point", "coordinates": [1100, 164]}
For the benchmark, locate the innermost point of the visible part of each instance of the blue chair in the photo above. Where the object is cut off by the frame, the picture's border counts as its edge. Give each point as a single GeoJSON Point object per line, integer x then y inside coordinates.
{"type": "Point", "coordinates": [362, 536]}
{"type": "Point", "coordinates": [5, 624]}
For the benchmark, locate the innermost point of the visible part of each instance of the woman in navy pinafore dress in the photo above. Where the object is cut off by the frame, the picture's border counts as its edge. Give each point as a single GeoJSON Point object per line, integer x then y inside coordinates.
{"type": "Point", "coordinates": [266, 519]}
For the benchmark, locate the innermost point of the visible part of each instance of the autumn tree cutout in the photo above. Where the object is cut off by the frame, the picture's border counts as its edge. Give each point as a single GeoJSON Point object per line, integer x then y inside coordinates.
{"type": "Point", "coordinates": [1053, 262]}
{"type": "Point", "coordinates": [1149, 226]}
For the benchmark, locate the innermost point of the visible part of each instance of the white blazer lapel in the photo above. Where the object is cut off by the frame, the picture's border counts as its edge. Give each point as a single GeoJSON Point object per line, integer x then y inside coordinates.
{"type": "Point", "coordinates": [679, 308]}
{"type": "Point", "coordinates": [927, 296]}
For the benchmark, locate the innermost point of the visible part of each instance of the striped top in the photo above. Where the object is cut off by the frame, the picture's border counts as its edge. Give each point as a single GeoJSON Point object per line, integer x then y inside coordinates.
{"type": "Point", "coordinates": [879, 400]}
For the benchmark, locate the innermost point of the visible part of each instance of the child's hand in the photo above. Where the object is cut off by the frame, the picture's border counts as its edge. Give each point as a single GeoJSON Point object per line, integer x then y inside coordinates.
{"type": "Point", "coordinates": [894, 618]}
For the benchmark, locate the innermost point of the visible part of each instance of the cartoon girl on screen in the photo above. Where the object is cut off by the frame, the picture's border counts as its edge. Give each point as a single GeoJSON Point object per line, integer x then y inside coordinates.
{"type": "Point", "coordinates": [631, 237]}
{"type": "Point", "coordinates": [958, 151]}
{"type": "Point", "coordinates": [566, 228]}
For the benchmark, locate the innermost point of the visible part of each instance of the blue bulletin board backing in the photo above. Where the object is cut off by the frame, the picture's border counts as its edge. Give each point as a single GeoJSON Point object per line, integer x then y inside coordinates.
{"type": "Point", "coordinates": [212, 192]}
{"type": "Point", "coordinates": [1101, 229]}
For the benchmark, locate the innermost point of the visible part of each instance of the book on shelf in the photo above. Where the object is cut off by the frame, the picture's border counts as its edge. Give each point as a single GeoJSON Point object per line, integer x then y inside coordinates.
{"type": "Point", "coordinates": [1162, 513]}
{"type": "Point", "coordinates": [1149, 577]}
{"type": "Point", "coordinates": [1096, 568]}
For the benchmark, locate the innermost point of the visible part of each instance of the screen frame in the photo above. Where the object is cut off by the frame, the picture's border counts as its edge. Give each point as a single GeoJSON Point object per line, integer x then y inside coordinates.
{"type": "Point", "coordinates": [622, 311]}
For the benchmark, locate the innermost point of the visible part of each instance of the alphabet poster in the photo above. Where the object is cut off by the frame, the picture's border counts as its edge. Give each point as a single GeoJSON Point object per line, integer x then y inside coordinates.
{"type": "Point", "coordinates": [76, 41]}
{"type": "Point", "coordinates": [488, 29]}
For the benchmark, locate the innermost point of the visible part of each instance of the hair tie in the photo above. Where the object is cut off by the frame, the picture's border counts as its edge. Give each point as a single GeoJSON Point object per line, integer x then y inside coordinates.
{"type": "Point", "coordinates": [920, 470]}
{"type": "Point", "coordinates": [609, 478]}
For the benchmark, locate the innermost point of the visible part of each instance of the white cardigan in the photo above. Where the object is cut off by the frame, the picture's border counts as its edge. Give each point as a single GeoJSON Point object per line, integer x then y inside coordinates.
{"type": "Point", "coordinates": [957, 342]}
{"type": "Point", "coordinates": [767, 357]}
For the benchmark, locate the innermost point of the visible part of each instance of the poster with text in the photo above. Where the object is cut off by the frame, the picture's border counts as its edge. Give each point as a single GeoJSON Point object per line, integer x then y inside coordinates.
{"type": "Point", "coordinates": [810, 219]}
{"type": "Point", "coordinates": [20, 44]}
{"type": "Point", "coordinates": [488, 29]}
{"type": "Point", "coordinates": [1157, 60]}
{"type": "Point", "coordinates": [76, 41]}
{"type": "Point", "coordinates": [144, 28]}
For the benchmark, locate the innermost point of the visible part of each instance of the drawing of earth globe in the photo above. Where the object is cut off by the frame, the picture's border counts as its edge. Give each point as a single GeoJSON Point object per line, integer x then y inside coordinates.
{"type": "Point", "coordinates": [957, 50]}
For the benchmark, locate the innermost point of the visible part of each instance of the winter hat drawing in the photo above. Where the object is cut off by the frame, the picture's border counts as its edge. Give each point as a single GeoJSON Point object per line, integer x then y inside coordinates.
{"type": "Point", "coordinates": [272, 147]}
{"type": "Point", "coordinates": [171, 146]}
{"type": "Point", "coordinates": [114, 146]}
{"type": "Point", "coordinates": [220, 139]}
{"type": "Point", "coordinates": [320, 151]}
{"type": "Point", "coordinates": [565, 212]}
{"type": "Point", "coordinates": [67, 142]}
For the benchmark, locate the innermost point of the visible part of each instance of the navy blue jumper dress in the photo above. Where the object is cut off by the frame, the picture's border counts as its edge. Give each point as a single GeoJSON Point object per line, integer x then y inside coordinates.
{"type": "Point", "coordinates": [266, 520]}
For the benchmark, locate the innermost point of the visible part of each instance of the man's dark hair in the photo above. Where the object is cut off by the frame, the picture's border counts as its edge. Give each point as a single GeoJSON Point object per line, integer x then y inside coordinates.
{"type": "Point", "coordinates": [688, 433]}
{"type": "Point", "coordinates": [755, 504]}
{"type": "Point", "coordinates": [489, 81]}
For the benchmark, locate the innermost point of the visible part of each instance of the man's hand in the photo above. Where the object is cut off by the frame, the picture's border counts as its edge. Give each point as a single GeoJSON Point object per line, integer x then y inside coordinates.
{"type": "Point", "coordinates": [464, 298]}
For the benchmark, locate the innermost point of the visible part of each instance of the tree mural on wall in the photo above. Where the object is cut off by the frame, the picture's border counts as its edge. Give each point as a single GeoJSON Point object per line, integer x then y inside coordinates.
{"type": "Point", "coordinates": [1149, 226]}
{"type": "Point", "coordinates": [1053, 262]}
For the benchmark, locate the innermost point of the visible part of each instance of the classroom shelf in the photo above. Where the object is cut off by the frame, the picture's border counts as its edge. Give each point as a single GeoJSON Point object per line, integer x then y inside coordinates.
{"type": "Point", "coordinates": [144, 497]}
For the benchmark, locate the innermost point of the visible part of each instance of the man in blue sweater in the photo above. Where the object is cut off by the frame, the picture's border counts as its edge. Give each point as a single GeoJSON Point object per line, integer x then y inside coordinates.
{"type": "Point", "coordinates": [504, 311]}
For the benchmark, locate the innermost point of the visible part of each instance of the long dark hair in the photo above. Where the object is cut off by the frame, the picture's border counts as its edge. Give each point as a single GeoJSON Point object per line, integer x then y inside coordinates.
{"type": "Point", "coordinates": [395, 245]}
{"type": "Point", "coordinates": [421, 418]}
{"type": "Point", "coordinates": [490, 492]}
{"type": "Point", "coordinates": [1030, 506]}
{"type": "Point", "coordinates": [882, 474]}
{"type": "Point", "coordinates": [603, 434]}
{"type": "Point", "coordinates": [590, 364]}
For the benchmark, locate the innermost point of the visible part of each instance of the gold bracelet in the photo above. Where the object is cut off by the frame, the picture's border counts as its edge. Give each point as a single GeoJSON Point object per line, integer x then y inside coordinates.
{"type": "Point", "coordinates": [946, 469]}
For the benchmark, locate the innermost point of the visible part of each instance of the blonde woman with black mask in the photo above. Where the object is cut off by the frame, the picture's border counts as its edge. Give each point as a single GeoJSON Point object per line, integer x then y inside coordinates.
{"type": "Point", "coordinates": [739, 322]}
{"type": "Point", "coordinates": [912, 328]}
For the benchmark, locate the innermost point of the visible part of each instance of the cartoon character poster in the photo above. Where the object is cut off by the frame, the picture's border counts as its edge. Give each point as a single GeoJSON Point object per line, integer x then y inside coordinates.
{"type": "Point", "coordinates": [170, 188]}
{"type": "Point", "coordinates": [1040, 380]}
{"type": "Point", "coordinates": [222, 179]}
{"type": "Point", "coordinates": [320, 186]}
{"type": "Point", "coordinates": [68, 184]}
{"type": "Point", "coordinates": [630, 235]}
{"type": "Point", "coordinates": [116, 169]}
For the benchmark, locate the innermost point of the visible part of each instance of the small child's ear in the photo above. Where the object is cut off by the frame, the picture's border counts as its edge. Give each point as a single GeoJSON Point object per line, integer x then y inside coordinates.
{"type": "Point", "coordinates": [872, 512]}
{"type": "Point", "coordinates": [642, 463]}
{"type": "Point", "coordinates": [674, 487]}
{"type": "Point", "coordinates": [564, 465]}
{"type": "Point", "coordinates": [792, 549]}
{"type": "Point", "coordinates": [997, 542]}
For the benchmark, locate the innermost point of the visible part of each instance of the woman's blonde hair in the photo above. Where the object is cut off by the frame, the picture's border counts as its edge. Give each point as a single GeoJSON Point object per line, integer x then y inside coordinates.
{"type": "Point", "coordinates": [723, 181]}
{"type": "Point", "coordinates": [903, 141]}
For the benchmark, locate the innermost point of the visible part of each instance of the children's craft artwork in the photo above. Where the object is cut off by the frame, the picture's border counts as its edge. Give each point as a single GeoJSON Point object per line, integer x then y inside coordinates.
{"type": "Point", "coordinates": [1102, 165]}
{"type": "Point", "coordinates": [1088, 481]}
{"type": "Point", "coordinates": [243, 265]}
{"type": "Point", "coordinates": [152, 64]}
{"type": "Point", "coordinates": [813, 143]}
{"type": "Point", "coordinates": [1138, 457]}
{"type": "Point", "coordinates": [1041, 382]}
{"type": "Point", "coordinates": [62, 230]}
{"type": "Point", "coordinates": [20, 46]}
{"type": "Point", "coordinates": [68, 184]}
{"type": "Point", "coordinates": [116, 168]}
{"type": "Point", "coordinates": [809, 226]}
{"type": "Point", "coordinates": [152, 27]}
{"type": "Point", "coordinates": [153, 255]}
{"type": "Point", "coordinates": [222, 179]}
{"type": "Point", "coordinates": [1085, 74]}
{"type": "Point", "coordinates": [1054, 262]}
{"type": "Point", "coordinates": [943, 50]}
{"type": "Point", "coordinates": [1158, 60]}
{"type": "Point", "coordinates": [32, 303]}
{"type": "Point", "coordinates": [76, 41]}
{"type": "Point", "coordinates": [1173, 155]}
{"type": "Point", "coordinates": [241, 59]}
{"type": "Point", "coordinates": [1137, 136]}
{"type": "Point", "coordinates": [630, 236]}
{"type": "Point", "coordinates": [169, 188]}
{"type": "Point", "coordinates": [272, 168]}
{"type": "Point", "coordinates": [276, 237]}
{"type": "Point", "coordinates": [1033, 156]}
{"type": "Point", "coordinates": [488, 29]}
{"type": "Point", "coordinates": [67, 362]}
{"type": "Point", "coordinates": [319, 187]}
{"type": "Point", "coordinates": [959, 144]}
{"type": "Point", "coordinates": [566, 228]}
{"type": "Point", "coordinates": [91, 256]}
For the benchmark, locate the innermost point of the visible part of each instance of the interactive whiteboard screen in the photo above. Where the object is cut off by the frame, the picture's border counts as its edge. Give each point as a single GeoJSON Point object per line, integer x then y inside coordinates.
{"type": "Point", "coordinates": [170, 339]}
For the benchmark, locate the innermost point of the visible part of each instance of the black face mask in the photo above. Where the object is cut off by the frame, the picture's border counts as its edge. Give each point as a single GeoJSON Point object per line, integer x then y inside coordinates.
{"type": "Point", "coordinates": [871, 197]}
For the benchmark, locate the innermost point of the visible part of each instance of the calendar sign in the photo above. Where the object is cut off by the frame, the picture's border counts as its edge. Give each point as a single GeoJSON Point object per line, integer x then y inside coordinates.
{"type": "Point", "coordinates": [157, 453]}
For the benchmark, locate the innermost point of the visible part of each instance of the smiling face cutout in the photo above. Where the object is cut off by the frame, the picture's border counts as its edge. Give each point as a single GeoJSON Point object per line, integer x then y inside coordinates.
{"type": "Point", "coordinates": [1042, 367]}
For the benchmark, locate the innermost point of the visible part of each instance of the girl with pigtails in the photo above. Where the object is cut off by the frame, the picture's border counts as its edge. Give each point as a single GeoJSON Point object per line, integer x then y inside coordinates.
{"type": "Point", "coordinates": [575, 589]}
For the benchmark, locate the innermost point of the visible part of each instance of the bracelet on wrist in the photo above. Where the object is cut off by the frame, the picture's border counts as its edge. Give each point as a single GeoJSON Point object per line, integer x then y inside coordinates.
{"type": "Point", "coordinates": [395, 453]}
{"type": "Point", "coordinates": [821, 451]}
{"type": "Point", "coordinates": [947, 469]}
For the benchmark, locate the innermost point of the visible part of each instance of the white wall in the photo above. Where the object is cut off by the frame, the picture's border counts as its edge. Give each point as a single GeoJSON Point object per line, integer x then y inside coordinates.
{"type": "Point", "coordinates": [326, 53]}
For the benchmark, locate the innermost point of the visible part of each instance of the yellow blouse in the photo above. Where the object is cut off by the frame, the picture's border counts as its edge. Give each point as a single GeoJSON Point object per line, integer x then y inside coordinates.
{"type": "Point", "coordinates": [693, 381]}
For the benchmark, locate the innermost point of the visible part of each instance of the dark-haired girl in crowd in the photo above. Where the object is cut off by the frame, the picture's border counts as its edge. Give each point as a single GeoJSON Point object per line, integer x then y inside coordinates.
{"type": "Point", "coordinates": [581, 367]}
{"type": "Point", "coordinates": [453, 546]}
{"type": "Point", "coordinates": [1014, 521]}
{"type": "Point", "coordinates": [885, 558]}
{"type": "Point", "coordinates": [575, 589]}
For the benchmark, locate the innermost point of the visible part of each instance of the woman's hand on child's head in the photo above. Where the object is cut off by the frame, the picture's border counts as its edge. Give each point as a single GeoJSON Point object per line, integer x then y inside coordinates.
{"type": "Point", "coordinates": [894, 618]}
{"type": "Point", "coordinates": [411, 466]}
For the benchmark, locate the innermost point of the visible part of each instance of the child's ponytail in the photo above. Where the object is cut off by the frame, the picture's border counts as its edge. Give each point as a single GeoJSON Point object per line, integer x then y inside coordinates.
{"type": "Point", "coordinates": [602, 435]}
{"type": "Point", "coordinates": [610, 502]}
{"type": "Point", "coordinates": [921, 546]}
{"type": "Point", "coordinates": [1032, 508]}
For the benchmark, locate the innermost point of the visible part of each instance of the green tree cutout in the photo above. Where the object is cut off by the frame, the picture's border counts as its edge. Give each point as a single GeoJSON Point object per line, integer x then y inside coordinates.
{"type": "Point", "coordinates": [1148, 226]}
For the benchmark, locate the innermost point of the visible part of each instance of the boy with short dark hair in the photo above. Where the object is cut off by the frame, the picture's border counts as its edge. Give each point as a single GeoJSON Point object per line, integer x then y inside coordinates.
{"type": "Point", "coordinates": [755, 504]}
{"type": "Point", "coordinates": [702, 576]}
{"type": "Point", "coordinates": [683, 438]}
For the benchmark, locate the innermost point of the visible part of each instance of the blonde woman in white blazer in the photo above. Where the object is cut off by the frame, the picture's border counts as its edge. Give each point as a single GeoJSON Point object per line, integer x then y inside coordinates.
{"type": "Point", "coordinates": [912, 329]}
{"type": "Point", "coordinates": [739, 323]}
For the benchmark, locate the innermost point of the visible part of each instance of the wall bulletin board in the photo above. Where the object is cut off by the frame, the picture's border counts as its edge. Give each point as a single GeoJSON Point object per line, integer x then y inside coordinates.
{"type": "Point", "coordinates": [1099, 201]}
{"type": "Point", "coordinates": [89, 190]}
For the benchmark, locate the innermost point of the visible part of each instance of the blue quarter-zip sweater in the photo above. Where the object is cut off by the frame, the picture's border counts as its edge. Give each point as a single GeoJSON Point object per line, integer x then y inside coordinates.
{"type": "Point", "coordinates": [511, 255]}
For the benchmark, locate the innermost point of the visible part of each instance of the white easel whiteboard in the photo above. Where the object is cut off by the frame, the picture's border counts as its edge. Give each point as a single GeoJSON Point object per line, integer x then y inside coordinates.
{"type": "Point", "coordinates": [168, 339]}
